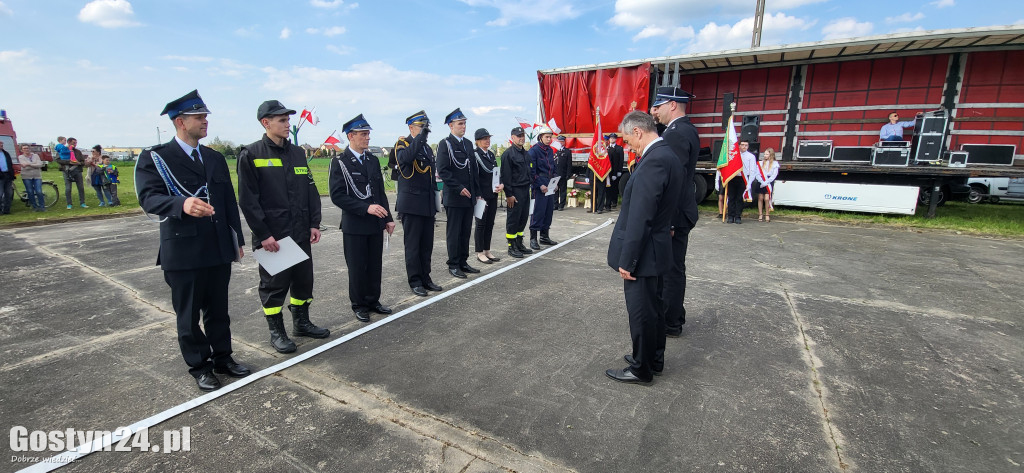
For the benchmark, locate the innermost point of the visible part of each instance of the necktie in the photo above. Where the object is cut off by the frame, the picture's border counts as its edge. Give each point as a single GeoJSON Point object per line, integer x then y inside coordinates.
{"type": "Point", "coordinates": [195, 157]}
{"type": "Point", "coordinates": [360, 158]}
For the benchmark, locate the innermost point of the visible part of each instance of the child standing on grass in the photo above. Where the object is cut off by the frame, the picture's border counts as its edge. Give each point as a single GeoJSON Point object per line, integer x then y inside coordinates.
{"type": "Point", "coordinates": [96, 176]}
{"type": "Point", "coordinates": [110, 171]}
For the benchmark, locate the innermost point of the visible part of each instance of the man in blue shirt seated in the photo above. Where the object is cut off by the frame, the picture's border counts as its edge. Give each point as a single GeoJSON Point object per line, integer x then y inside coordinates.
{"type": "Point", "coordinates": [893, 131]}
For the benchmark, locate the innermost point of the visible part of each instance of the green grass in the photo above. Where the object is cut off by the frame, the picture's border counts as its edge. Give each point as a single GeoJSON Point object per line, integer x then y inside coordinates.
{"type": "Point", "coordinates": [22, 214]}
{"type": "Point", "coordinates": [1003, 219]}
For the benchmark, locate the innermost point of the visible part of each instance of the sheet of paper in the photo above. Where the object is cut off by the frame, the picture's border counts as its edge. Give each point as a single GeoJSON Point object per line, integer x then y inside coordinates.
{"type": "Point", "coordinates": [478, 209]}
{"type": "Point", "coordinates": [289, 255]}
{"type": "Point", "coordinates": [437, 201]}
{"type": "Point", "coordinates": [532, 203]}
{"type": "Point", "coordinates": [495, 179]}
{"type": "Point", "coordinates": [553, 185]}
{"type": "Point", "coordinates": [387, 243]}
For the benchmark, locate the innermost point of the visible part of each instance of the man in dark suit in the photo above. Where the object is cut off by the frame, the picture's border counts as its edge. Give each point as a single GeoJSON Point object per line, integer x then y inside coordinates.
{"type": "Point", "coordinates": [6, 180]}
{"type": "Point", "coordinates": [669, 108]}
{"type": "Point", "coordinates": [563, 167]}
{"type": "Point", "coordinates": [457, 168]}
{"type": "Point", "coordinates": [641, 245]}
{"type": "Point", "coordinates": [357, 187]}
{"type": "Point", "coordinates": [616, 155]}
{"type": "Point", "coordinates": [189, 187]}
{"type": "Point", "coordinates": [417, 201]}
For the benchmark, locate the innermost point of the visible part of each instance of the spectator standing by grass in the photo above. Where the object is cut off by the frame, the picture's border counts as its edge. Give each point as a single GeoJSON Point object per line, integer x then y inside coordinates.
{"type": "Point", "coordinates": [112, 176]}
{"type": "Point", "coordinates": [97, 178]}
{"type": "Point", "coordinates": [32, 177]}
{"type": "Point", "coordinates": [71, 160]}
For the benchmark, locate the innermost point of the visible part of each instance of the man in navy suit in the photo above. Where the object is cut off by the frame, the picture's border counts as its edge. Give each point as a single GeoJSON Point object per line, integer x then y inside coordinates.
{"type": "Point", "coordinates": [357, 187]}
{"type": "Point", "coordinates": [456, 167]}
{"type": "Point", "coordinates": [641, 244]}
{"type": "Point", "coordinates": [189, 187]}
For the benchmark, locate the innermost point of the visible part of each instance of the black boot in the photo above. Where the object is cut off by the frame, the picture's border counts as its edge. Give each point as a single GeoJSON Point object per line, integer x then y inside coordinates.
{"type": "Point", "coordinates": [522, 248]}
{"type": "Point", "coordinates": [546, 240]}
{"type": "Point", "coordinates": [301, 324]}
{"type": "Point", "coordinates": [278, 337]}
{"type": "Point", "coordinates": [513, 249]}
{"type": "Point", "coordinates": [533, 240]}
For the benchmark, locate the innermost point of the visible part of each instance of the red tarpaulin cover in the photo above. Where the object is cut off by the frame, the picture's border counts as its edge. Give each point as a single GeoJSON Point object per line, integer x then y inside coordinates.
{"type": "Point", "coordinates": [571, 98]}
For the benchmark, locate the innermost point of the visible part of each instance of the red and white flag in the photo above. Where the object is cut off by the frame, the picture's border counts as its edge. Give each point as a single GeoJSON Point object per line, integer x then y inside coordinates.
{"type": "Point", "coordinates": [309, 116]}
{"type": "Point", "coordinates": [332, 140]}
{"type": "Point", "coordinates": [524, 123]}
{"type": "Point", "coordinates": [553, 126]}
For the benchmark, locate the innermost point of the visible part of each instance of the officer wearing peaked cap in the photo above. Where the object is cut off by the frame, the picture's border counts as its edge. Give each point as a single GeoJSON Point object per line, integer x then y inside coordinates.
{"type": "Point", "coordinates": [669, 108]}
{"type": "Point", "coordinates": [188, 186]}
{"type": "Point", "coordinates": [357, 187]}
{"type": "Point", "coordinates": [417, 201]}
{"type": "Point", "coordinates": [516, 178]}
{"type": "Point", "coordinates": [457, 168]}
{"type": "Point", "coordinates": [279, 199]}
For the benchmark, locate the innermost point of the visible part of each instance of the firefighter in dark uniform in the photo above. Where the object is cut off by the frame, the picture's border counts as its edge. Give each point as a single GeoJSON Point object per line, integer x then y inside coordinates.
{"type": "Point", "coordinates": [279, 199]}
{"type": "Point", "coordinates": [563, 166]}
{"type": "Point", "coordinates": [669, 108]}
{"type": "Point", "coordinates": [542, 162]}
{"type": "Point", "coordinates": [486, 167]}
{"type": "Point", "coordinates": [616, 155]}
{"type": "Point", "coordinates": [457, 168]}
{"type": "Point", "coordinates": [516, 178]}
{"type": "Point", "coordinates": [357, 187]}
{"type": "Point", "coordinates": [189, 187]}
{"type": "Point", "coordinates": [417, 201]}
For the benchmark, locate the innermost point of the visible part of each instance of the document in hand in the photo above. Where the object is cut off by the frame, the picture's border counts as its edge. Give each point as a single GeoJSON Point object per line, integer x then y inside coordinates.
{"type": "Point", "coordinates": [495, 179]}
{"type": "Point", "coordinates": [478, 209]}
{"type": "Point", "coordinates": [289, 255]}
{"type": "Point", "coordinates": [553, 185]}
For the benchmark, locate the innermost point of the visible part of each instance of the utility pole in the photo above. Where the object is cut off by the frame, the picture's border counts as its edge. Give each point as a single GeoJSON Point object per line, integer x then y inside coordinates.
{"type": "Point", "coordinates": [755, 41]}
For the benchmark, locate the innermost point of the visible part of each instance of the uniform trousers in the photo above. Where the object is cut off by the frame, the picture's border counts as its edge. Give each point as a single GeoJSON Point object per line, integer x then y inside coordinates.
{"type": "Point", "coordinates": [298, 279]}
{"type": "Point", "coordinates": [675, 283]}
{"type": "Point", "coordinates": [611, 195]}
{"type": "Point", "coordinates": [363, 255]}
{"type": "Point", "coordinates": [646, 325]}
{"type": "Point", "coordinates": [457, 233]}
{"type": "Point", "coordinates": [561, 193]}
{"type": "Point", "coordinates": [542, 211]}
{"type": "Point", "coordinates": [202, 292]}
{"type": "Point", "coordinates": [517, 215]}
{"type": "Point", "coordinates": [485, 226]}
{"type": "Point", "coordinates": [418, 236]}
{"type": "Point", "coordinates": [734, 195]}
{"type": "Point", "coordinates": [598, 191]}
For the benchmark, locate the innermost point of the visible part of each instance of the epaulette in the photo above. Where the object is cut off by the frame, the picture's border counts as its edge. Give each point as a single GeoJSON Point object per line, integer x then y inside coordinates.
{"type": "Point", "coordinates": [401, 143]}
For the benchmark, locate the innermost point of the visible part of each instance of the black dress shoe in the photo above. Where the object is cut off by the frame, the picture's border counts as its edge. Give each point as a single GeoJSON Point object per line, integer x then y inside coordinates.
{"type": "Point", "coordinates": [232, 369]}
{"type": "Point", "coordinates": [738, 220]}
{"type": "Point", "coordinates": [629, 359]}
{"type": "Point", "coordinates": [600, 211]}
{"type": "Point", "coordinates": [208, 381]}
{"type": "Point", "coordinates": [362, 315]}
{"type": "Point", "coordinates": [420, 291]}
{"type": "Point", "coordinates": [484, 261]}
{"type": "Point", "coordinates": [534, 245]}
{"type": "Point", "coordinates": [547, 241]}
{"type": "Point", "coordinates": [433, 287]}
{"type": "Point", "coordinates": [674, 333]}
{"type": "Point", "coordinates": [626, 376]}
{"type": "Point", "coordinates": [494, 258]}
{"type": "Point", "coordinates": [382, 309]}
{"type": "Point", "coordinates": [455, 272]}
{"type": "Point", "coordinates": [469, 269]}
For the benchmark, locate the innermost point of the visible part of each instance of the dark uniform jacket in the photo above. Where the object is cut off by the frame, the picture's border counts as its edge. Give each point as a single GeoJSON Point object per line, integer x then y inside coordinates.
{"type": "Point", "coordinates": [681, 136]}
{"type": "Point", "coordinates": [542, 162]}
{"type": "Point", "coordinates": [616, 156]}
{"type": "Point", "coordinates": [563, 163]}
{"type": "Point", "coordinates": [515, 168]}
{"type": "Point", "coordinates": [393, 161]}
{"type": "Point", "coordinates": [457, 167]}
{"type": "Point", "coordinates": [354, 218]}
{"type": "Point", "coordinates": [485, 164]}
{"type": "Point", "coordinates": [642, 241]}
{"type": "Point", "coordinates": [276, 191]}
{"type": "Point", "coordinates": [188, 242]}
{"type": "Point", "coordinates": [416, 186]}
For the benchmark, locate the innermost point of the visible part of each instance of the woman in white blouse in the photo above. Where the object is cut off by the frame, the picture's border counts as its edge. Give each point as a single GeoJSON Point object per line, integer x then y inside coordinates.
{"type": "Point", "coordinates": [769, 170]}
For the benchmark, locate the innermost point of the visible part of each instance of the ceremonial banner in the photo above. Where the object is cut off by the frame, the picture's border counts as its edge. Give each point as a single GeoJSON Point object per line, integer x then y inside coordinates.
{"type": "Point", "coordinates": [598, 160]}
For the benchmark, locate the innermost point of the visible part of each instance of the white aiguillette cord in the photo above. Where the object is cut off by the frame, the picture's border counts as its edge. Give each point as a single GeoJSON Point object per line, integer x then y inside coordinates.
{"type": "Point", "coordinates": [57, 461]}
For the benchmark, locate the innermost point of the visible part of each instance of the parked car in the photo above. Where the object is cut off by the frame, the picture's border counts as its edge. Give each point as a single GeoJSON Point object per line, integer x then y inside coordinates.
{"type": "Point", "coordinates": [995, 189]}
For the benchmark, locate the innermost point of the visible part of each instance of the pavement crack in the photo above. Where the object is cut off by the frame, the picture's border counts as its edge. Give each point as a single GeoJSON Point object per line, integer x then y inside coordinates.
{"type": "Point", "coordinates": [834, 436]}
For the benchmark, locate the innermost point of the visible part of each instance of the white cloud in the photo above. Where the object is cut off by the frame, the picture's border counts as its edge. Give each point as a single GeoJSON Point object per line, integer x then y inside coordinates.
{"type": "Point", "coordinates": [15, 58]}
{"type": "Point", "coordinates": [847, 27]}
{"type": "Point", "coordinates": [943, 3]}
{"type": "Point", "coordinates": [905, 18]}
{"type": "Point", "coordinates": [87, 64]}
{"type": "Point", "coordinates": [340, 50]}
{"type": "Point", "coordinates": [527, 11]}
{"type": "Point", "coordinates": [247, 32]}
{"type": "Point", "coordinates": [188, 58]}
{"type": "Point", "coordinates": [329, 32]}
{"type": "Point", "coordinates": [327, 3]}
{"type": "Point", "coordinates": [4, 11]}
{"type": "Point", "coordinates": [714, 37]}
{"type": "Point", "coordinates": [484, 110]}
{"type": "Point", "coordinates": [669, 14]}
{"type": "Point", "coordinates": [286, 33]}
{"type": "Point", "coordinates": [108, 13]}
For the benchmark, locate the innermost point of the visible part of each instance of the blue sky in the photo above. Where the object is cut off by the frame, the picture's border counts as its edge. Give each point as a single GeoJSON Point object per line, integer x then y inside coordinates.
{"type": "Point", "coordinates": [102, 70]}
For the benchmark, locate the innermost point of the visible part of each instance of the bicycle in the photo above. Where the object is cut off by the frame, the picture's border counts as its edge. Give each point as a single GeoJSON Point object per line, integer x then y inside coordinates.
{"type": "Point", "coordinates": [50, 194]}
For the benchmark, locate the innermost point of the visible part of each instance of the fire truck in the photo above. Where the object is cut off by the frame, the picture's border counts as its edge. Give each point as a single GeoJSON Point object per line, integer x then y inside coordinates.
{"type": "Point", "coordinates": [821, 105]}
{"type": "Point", "coordinates": [10, 139]}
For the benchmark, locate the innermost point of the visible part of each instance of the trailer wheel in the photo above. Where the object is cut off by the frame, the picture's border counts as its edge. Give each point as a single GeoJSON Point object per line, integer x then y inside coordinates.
{"type": "Point", "coordinates": [977, 194]}
{"type": "Point", "coordinates": [700, 188]}
{"type": "Point", "coordinates": [993, 199]}
{"type": "Point", "coordinates": [925, 196]}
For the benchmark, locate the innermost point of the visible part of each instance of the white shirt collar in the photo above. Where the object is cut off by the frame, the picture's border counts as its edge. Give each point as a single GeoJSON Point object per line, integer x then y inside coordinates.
{"type": "Point", "coordinates": [187, 148]}
{"type": "Point", "coordinates": [354, 153]}
{"type": "Point", "coordinates": [642, 153]}
{"type": "Point", "coordinates": [674, 120]}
